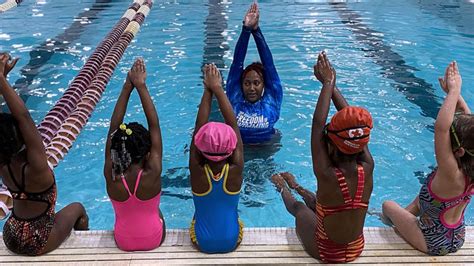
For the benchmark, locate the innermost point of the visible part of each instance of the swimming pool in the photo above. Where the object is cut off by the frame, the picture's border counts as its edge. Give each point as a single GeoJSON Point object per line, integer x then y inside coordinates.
{"type": "Point", "coordinates": [387, 56]}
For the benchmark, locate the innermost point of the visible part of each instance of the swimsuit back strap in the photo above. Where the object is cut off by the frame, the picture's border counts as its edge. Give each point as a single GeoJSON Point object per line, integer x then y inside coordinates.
{"type": "Point", "coordinates": [360, 183]}
{"type": "Point", "coordinates": [125, 184]}
{"type": "Point", "coordinates": [343, 185]}
{"type": "Point", "coordinates": [137, 182]}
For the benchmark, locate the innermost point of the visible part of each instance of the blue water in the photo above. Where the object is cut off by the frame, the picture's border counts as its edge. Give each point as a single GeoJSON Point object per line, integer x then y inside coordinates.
{"type": "Point", "coordinates": [389, 63]}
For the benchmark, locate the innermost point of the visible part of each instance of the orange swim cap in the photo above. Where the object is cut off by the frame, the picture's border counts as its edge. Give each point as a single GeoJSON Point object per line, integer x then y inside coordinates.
{"type": "Point", "coordinates": [349, 129]}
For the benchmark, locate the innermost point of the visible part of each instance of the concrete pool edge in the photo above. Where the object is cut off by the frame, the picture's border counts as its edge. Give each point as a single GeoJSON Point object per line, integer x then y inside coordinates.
{"type": "Point", "coordinates": [252, 236]}
{"type": "Point", "coordinates": [265, 245]}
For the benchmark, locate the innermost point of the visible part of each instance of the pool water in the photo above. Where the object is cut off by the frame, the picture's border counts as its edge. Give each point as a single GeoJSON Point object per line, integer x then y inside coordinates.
{"type": "Point", "coordinates": [388, 56]}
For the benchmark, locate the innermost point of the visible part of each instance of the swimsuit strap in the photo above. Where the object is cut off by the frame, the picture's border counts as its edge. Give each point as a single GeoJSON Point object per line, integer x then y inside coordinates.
{"type": "Point", "coordinates": [213, 176]}
{"type": "Point", "coordinates": [137, 182]}
{"type": "Point", "coordinates": [360, 184]}
{"type": "Point", "coordinates": [345, 189]}
{"type": "Point", "coordinates": [343, 186]}
{"type": "Point", "coordinates": [125, 184]}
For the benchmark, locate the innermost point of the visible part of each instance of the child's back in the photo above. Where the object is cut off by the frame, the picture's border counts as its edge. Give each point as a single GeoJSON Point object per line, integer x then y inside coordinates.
{"type": "Point", "coordinates": [346, 194]}
{"type": "Point", "coordinates": [442, 200]}
{"type": "Point", "coordinates": [330, 223]}
{"type": "Point", "coordinates": [133, 170]}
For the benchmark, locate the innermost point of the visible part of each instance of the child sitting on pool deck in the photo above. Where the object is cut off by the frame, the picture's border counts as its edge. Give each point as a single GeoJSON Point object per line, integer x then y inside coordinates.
{"type": "Point", "coordinates": [133, 163]}
{"type": "Point", "coordinates": [216, 163]}
{"type": "Point", "coordinates": [330, 224]}
{"type": "Point", "coordinates": [34, 228]}
{"type": "Point", "coordinates": [442, 200]}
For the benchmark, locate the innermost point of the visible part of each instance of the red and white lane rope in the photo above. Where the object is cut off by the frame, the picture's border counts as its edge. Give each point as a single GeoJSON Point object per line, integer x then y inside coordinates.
{"type": "Point", "coordinates": [9, 4]}
{"type": "Point", "coordinates": [67, 103]}
{"type": "Point", "coordinates": [66, 120]}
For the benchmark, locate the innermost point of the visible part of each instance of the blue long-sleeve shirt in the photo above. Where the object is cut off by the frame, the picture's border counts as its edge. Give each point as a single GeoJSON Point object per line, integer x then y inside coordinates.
{"type": "Point", "coordinates": [255, 120]}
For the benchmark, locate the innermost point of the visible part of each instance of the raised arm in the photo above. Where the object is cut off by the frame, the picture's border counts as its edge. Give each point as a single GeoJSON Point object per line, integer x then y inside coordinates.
{"type": "Point", "coordinates": [36, 154]}
{"type": "Point", "coordinates": [115, 121]}
{"type": "Point", "coordinates": [272, 80]}
{"type": "Point", "coordinates": [445, 158]}
{"type": "Point", "coordinates": [195, 158]}
{"type": "Point", "coordinates": [319, 150]}
{"type": "Point", "coordinates": [461, 105]}
{"type": "Point", "coordinates": [138, 79]}
{"type": "Point", "coordinates": [338, 99]}
{"type": "Point", "coordinates": [212, 81]}
{"type": "Point", "coordinates": [233, 85]}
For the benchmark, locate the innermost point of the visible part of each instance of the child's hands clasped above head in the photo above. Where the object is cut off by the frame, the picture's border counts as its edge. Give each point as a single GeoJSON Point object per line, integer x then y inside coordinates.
{"type": "Point", "coordinates": [212, 78]}
{"type": "Point", "coordinates": [453, 78]}
{"type": "Point", "coordinates": [323, 70]}
{"type": "Point", "coordinates": [137, 74]}
{"type": "Point", "coordinates": [5, 65]}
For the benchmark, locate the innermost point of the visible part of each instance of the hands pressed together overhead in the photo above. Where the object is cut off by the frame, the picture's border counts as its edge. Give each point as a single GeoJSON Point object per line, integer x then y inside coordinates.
{"type": "Point", "coordinates": [452, 79]}
{"type": "Point", "coordinates": [212, 78]}
{"type": "Point", "coordinates": [6, 64]}
{"type": "Point", "coordinates": [323, 70]}
{"type": "Point", "coordinates": [252, 17]}
{"type": "Point", "coordinates": [137, 74]}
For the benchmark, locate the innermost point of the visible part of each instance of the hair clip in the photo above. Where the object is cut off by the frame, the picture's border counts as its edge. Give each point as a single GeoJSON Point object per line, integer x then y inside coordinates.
{"type": "Point", "coordinates": [128, 131]}
{"type": "Point", "coordinates": [123, 126]}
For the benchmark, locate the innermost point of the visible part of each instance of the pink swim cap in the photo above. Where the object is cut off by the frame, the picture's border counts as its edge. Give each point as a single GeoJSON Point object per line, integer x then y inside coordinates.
{"type": "Point", "coordinates": [216, 141]}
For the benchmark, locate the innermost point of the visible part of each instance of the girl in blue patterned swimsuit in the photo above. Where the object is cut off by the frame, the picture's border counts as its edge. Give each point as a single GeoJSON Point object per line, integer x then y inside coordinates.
{"type": "Point", "coordinates": [440, 228]}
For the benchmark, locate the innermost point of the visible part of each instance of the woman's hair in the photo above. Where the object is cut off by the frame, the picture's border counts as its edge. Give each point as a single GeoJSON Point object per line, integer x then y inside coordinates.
{"type": "Point", "coordinates": [463, 126]}
{"type": "Point", "coordinates": [130, 143]}
{"type": "Point", "coordinates": [255, 66]}
{"type": "Point", "coordinates": [11, 139]}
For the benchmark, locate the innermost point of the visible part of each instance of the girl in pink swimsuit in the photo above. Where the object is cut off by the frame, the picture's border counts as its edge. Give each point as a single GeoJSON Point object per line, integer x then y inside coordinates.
{"type": "Point", "coordinates": [132, 170]}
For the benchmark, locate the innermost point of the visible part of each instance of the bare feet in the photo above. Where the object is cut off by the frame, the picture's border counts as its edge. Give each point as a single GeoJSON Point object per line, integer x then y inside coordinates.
{"type": "Point", "coordinates": [279, 182]}
{"type": "Point", "coordinates": [290, 180]}
{"type": "Point", "coordinates": [384, 219]}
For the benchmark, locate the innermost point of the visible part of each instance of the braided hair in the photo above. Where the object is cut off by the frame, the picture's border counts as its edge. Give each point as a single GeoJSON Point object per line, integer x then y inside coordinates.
{"type": "Point", "coordinates": [130, 143]}
{"type": "Point", "coordinates": [11, 140]}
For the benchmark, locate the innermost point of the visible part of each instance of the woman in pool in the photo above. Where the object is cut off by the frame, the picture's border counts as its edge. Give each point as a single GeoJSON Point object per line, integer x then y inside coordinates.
{"type": "Point", "coordinates": [34, 228]}
{"type": "Point", "coordinates": [254, 92]}
{"type": "Point", "coordinates": [132, 169]}
{"type": "Point", "coordinates": [216, 163]}
{"type": "Point", "coordinates": [330, 224]}
{"type": "Point", "coordinates": [440, 205]}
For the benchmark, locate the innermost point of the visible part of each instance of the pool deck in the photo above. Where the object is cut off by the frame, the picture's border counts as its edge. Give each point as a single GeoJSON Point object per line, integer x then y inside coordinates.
{"type": "Point", "coordinates": [259, 246]}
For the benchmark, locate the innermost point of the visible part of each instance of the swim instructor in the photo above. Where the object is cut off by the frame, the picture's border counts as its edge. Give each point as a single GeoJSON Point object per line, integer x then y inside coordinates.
{"type": "Point", "coordinates": [254, 92]}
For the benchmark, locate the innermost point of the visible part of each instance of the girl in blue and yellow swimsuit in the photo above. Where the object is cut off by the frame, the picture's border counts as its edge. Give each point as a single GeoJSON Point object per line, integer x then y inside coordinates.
{"type": "Point", "coordinates": [442, 200]}
{"type": "Point", "coordinates": [254, 92]}
{"type": "Point", "coordinates": [216, 164]}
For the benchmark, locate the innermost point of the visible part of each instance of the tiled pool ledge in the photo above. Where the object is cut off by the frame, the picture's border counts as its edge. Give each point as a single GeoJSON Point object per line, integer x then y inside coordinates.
{"type": "Point", "coordinates": [272, 245]}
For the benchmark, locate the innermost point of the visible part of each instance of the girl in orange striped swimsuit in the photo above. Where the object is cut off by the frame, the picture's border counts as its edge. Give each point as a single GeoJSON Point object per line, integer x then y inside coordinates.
{"type": "Point", "coordinates": [330, 224]}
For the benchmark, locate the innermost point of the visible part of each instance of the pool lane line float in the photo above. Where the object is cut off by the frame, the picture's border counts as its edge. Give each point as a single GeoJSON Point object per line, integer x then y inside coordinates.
{"type": "Point", "coordinates": [68, 131]}
{"type": "Point", "coordinates": [67, 103]}
{"type": "Point", "coordinates": [9, 4]}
